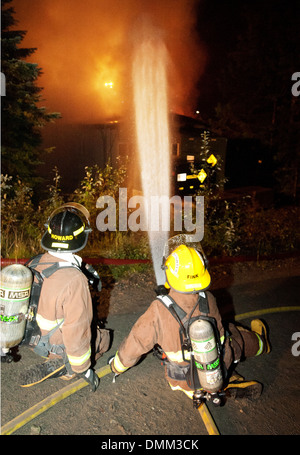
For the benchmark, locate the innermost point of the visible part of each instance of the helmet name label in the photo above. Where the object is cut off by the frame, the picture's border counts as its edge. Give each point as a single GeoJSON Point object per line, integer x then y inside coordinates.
{"type": "Point", "coordinates": [61, 237]}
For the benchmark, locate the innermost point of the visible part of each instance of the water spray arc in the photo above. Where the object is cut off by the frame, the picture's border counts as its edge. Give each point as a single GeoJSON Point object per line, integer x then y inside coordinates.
{"type": "Point", "coordinates": [149, 74]}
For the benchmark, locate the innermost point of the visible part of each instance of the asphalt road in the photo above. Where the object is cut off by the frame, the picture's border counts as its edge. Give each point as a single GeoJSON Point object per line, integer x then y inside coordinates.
{"type": "Point", "coordinates": [277, 412]}
{"type": "Point", "coordinates": [141, 402]}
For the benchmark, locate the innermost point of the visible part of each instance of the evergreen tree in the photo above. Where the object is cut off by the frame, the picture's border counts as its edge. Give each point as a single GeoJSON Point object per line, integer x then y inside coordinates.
{"type": "Point", "coordinates": [22, 118]}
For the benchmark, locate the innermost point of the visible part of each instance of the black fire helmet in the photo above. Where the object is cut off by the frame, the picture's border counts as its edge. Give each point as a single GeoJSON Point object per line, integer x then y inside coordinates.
{"type": "Point", "coordinates": [68, 228]}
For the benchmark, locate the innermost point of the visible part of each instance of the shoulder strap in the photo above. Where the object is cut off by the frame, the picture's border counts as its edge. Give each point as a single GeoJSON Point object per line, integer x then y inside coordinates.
{"type": "Point", "coordinates": [32, 264]}
{"type": "Point", "coordinates": [178, 312]}
{"type": "Point", "coordinates": [36, 288]}
{"type": "Point", "coordinates": [180, 315]}
{"type": "Point", "coordinates": [34, 261]}
{"type": "Point", "coordinates": [203, 303]}
{"type": "Point", "coordinates": [55, 266]}
{"type": "Point", "coordinates": [172, 305]}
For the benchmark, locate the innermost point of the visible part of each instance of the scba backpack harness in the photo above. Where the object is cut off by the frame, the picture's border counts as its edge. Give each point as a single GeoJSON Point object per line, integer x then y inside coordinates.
{"type": "Point", "coordinates": [32, 337]}
{"type": "Point", "coordinates": [196, 368]}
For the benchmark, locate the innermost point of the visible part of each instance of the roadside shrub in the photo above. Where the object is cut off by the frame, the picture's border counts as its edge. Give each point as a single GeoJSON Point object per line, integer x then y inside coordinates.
{"type": "Point", "coordinates": [18, 219]}
{"type": "Point", "coordinates": [270, 231]}
{"type": "Point", "coordinates": [222, 227]}
{"type": "Point", "coordinates": [231, 228]}
{"type": "Point", "coordinates": [244, 228]}
{"type": "Point", "coordinates": [22, 224]}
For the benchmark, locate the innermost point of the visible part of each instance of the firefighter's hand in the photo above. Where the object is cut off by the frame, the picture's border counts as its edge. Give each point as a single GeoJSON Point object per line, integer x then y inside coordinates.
{"type": "Point", "coordinates": [93, 277]}
{"type": "Point", "coordinates": [110, 361]}
{"type": "Point", "coordinates": [161, 290]}
{"type": "Point", "coordinates": [91, 378]}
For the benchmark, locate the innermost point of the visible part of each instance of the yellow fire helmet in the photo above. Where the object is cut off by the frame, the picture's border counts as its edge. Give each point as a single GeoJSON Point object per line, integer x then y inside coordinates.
{"type": "Point", "coordinates": [186, 271]}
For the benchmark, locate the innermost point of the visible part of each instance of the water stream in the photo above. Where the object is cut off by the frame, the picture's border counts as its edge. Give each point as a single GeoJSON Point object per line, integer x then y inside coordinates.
{"type": "Point", "coordinates": [149, 73]}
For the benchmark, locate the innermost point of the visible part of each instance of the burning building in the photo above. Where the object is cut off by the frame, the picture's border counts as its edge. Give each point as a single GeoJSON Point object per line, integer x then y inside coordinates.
{"type": "Point", "coordinates": [85, 50]}
{"type": "Point", "coordinates": [80, 145]}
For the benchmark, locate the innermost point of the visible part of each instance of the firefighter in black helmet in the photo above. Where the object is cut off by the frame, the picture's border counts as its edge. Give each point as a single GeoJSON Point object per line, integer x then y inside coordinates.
{"type": "Point", "coordinates": [65, 311]}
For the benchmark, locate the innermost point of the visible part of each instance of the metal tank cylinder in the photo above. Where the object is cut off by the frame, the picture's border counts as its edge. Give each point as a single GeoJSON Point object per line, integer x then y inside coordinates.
{"type": "Point", "coordinates": [206, 355]}
{"type": "Point", "coordinates": [15, 286]}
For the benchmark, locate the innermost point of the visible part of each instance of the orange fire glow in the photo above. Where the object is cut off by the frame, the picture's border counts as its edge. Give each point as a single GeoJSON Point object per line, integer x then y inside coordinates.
{"type": "Point", "coordinates": [82, 46]}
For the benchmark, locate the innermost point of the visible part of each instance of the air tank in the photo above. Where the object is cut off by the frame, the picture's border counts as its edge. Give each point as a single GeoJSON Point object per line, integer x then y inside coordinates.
{"type": "Point", "coordinates": [15, 286]}
{"type": "Point", "coordinates": [206, 355]}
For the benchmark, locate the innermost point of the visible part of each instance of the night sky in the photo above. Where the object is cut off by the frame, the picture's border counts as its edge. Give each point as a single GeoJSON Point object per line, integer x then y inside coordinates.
{"type": "Point", "coordinates": [223, 25]}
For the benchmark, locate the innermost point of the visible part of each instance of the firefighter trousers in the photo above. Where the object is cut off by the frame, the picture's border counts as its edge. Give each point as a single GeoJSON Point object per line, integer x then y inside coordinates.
{"type": "Point", "coordinates": [241, 343]}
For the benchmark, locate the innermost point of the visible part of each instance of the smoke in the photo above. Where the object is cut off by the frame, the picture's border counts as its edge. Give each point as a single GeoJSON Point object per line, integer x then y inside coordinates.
{"type": "Point", "coordinates": [85, 51]}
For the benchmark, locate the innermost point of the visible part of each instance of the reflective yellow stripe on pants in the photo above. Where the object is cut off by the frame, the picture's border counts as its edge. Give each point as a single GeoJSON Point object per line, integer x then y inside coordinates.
{"type": "Point", "coordinates": [80, 360]}
{"type": "Point", "coordinates": [118, 365]}
{"type": "Point", "coordinates": [48, 325]}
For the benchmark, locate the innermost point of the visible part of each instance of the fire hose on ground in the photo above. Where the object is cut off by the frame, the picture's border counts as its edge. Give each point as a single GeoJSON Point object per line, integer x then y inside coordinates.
{"type": "Point", "coordinates": [51, 400]}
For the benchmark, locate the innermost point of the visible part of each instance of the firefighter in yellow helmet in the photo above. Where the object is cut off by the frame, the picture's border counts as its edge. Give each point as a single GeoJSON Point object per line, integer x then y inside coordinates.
{"type": "Point", "coordinates": [187, 280]}
{"type": "Point", "coordinates": [186, 271]}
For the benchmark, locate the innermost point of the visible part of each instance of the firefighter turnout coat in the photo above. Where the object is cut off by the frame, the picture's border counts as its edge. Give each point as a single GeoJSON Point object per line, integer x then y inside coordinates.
{"type": "Point", "coordinates": [65, 298]}
{"type": "Point", "coordinates": [158, 326]}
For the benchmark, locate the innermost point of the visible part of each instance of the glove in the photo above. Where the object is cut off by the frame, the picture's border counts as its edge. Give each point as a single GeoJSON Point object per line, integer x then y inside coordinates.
{"type": "Point", "coordinates": [92, 276]}
{"type": "Point", "coordinates": [91, 378]}
{"type": "Point", "coordinates": [110, 363]}
{"type": "Point", "coordinates": [161, 290]}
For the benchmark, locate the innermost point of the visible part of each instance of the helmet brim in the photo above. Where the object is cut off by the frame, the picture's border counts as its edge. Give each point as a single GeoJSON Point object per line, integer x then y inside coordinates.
{"type": "Point", "coordinates": [191, 287]}
{"type": "Point", "coordinates": [62, 246]}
